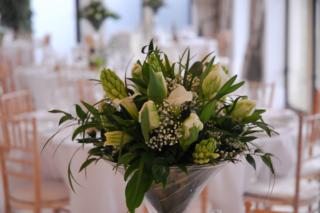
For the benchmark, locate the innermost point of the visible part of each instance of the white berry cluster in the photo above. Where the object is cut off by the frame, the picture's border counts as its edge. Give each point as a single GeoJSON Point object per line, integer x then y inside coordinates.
{"type": "Point", "coordinates": [169, 131]}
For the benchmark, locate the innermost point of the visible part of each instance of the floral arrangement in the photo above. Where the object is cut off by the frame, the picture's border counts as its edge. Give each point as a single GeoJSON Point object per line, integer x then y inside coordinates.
{"type": "Point", "coordinates": [168, 114]}
{"type": "Point", "coordinates": [95, 13]}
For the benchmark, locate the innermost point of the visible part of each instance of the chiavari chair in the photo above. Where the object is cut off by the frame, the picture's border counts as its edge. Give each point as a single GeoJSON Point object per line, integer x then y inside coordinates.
{"type": "Point", "coordinates": [303, 190]}
{"type": "Point", "coordinates": [19, 160]}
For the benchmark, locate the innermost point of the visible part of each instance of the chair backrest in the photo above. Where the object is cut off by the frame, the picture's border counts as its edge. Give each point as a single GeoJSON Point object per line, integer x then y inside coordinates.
{"type": "Point", "coordinates": [20, 151]}
{"type": "Point", "coordinates": [86, 90]}
{"type": "Point", "coordinates": [261, 92]}
{"type": "Point", "coordinates": [6, 76]}
{"type": "Point", "coordinates": [15, 103]}
{"type": "Point", "coordinates": [309, 137]}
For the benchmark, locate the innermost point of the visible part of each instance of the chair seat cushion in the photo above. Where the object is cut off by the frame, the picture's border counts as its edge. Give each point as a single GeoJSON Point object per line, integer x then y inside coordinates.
{"type": "Point", "coordinates": [285, 189]}
{"type": "Point", "coordinates": [51, 191]}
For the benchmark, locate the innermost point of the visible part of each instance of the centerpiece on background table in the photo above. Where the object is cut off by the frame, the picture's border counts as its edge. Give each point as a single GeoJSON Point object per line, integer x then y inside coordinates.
{"type": "Point", "coordinates": [96, 13]}
{"type": "Point", "coordinates": [169, 129]}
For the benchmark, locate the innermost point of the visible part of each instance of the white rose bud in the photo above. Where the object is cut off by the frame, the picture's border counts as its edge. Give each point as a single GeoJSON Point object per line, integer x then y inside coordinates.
{"type": "Point", "coordinates": [213, 82]}
{"type": "Point", "coordinates": [153, 117]}
{"type": "Point", "coordinates": [244, 108]}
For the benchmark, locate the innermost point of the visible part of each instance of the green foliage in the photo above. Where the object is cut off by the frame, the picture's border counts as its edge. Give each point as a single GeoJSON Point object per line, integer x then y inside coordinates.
{"type": "Point", "coordinates": [16, 15]}
{"type": "Point", "coordinates": [146, 163]}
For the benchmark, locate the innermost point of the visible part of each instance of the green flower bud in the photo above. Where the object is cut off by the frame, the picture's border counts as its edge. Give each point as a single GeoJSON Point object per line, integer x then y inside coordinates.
{"type": "Point", "coordinates": [114, 138]}
{"type": "Point", "coordinates": [244, 108]}
{"type": "Point", "coordinates": [153, 62]}
{"type": "Point", "coordinates": [204, 150]}
{"type": "Point", "coordinates": [112, 85]}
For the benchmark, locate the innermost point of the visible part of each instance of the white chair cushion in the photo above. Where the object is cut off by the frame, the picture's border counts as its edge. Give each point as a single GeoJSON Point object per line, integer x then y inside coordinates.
{"type": "Point", "coordinates": [51, 190]}
{"type": "Point", "coordinates": [311, 167]}
{"type": "Point", "coordinates": [285, 189]}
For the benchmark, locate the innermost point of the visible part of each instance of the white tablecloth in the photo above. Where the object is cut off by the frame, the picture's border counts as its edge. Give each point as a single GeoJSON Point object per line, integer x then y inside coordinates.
{"type": "Point", "coordinates": [104, 192]}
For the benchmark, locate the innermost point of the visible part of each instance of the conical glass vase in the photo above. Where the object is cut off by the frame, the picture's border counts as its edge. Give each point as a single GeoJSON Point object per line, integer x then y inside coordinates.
{"type": "Point", "coordinates": [181, 191]}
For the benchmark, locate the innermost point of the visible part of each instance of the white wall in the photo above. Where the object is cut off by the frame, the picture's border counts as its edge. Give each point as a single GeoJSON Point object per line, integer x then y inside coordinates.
{"type": "Point", "coordinates": [274, 52]}
{"type": "Point", "coordinates": [241, 18]}
{"type": "Point", "coordinates": [58, 19]}
{"type": "Point", "coordinates": [274, 42]}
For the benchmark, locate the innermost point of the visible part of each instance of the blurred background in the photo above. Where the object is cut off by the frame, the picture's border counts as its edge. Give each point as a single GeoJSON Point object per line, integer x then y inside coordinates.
{"type": "Point", "coordinates": [48, 49]}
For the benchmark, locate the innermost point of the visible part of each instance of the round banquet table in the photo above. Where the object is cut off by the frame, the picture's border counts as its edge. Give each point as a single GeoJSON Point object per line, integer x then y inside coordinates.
{"type": "Point", "coordinates": [103, 190]}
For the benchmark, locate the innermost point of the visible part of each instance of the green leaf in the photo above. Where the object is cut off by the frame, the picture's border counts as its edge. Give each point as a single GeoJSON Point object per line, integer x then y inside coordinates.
{"type": "Point", "coordinates": [83, 128]}
{"type": "Point", "coordinates": [138, 82]}
{"type": "Point", "coordinates": [251, 161]}
{"type": "Point", "coordinates": [96, 151]}
{"type": "Point", "coordinates": [151, 45]}
{"type": "Point", "coordinates": [207, 70]}
{"type": "Point", "coordinates": [139, 146]}
{"type": "Point", "coordinates": [87, 163]}
{"type": "Point", "coordinates": [165, 74]}
{"type": "Point", "coordinates": [160, 172]}
{"type": "Point", "coordinates": [135, 190]}
{"type": "Point", "coordinates": [146, 72]}
{"type": "Point", "coordinates": [93, 111]}
{"type": "Point", "coordinates": [155, 88]}
{"type": "Point", "coordinates": [81, 114]}
{"type": "Point", "coordinates": [251, 118]}
{"type": "Point", "coordinates": [207, 111]}
{"type": "Point", "coordinates": [159, 160]}
{"type": "Point", "coordinates": [267, 160]}
{"type": "Point", "coordinates": [183, 168]}
{"type": "Point", "coordinates": [120, 120]}
{"type": "Point", "coordinates": [259, 111]}
{"type": "Point", "coordinates": [247, 139]}
{"type": "Point", "coordinates": [65, 118]}
{"type": "Point", "coordinates": [164, 183]}
{"type": "Point", "coordinates": [134, 166]}
{"type": "Point", "coordinates": [145, 124]}
{"type": "Point", "coordinates": [59, 111]}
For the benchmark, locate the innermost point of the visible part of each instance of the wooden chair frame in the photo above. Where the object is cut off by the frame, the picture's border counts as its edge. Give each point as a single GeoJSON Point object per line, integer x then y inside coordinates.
{"type": "Point", "coordinates": [19, 139]}
{"type": "Point", "coordinates": [309, 135]}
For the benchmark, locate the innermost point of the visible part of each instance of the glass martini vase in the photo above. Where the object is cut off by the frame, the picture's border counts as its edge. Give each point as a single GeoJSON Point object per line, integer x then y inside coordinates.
{"type": "Point", "coordinates": [181, 191]}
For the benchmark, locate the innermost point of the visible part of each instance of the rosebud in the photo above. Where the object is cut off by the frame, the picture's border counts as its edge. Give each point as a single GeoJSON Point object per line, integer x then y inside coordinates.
{"type": "Point", "coordinates": [191, 127]}
{"type": "Point", "coordinates": [176, 71]}
{"type": "Point", "coordinates": [213, 82]}
{"type": "Point", "coordinates": [153, 117]}
{"type": "Point", "coordinates": [192, 121]}
{"type": "Point", "coordinates": [163, 83]}
{"type": "Point", "coordinates": [114, 138]}
{"type": "Point", "coordinates": [244, 108]}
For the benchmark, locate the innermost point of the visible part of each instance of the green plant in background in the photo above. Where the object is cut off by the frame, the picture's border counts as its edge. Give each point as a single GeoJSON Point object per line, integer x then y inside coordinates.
{"type": "Point", "coordinates": [164, 118]}
{"type": "Point", "coordinates": [16, 15]}
{"type": "Point", "coordinates": [154, 4]}
{"type": "Point", "coordinates": [96, 13]}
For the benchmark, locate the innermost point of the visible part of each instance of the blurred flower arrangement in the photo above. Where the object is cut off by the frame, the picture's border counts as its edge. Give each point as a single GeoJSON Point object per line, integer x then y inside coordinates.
{"type": "Point", "coordinates": [168, 114]}
{"type": "Point", "coordinates": [96, 13]}
{"type": "Point", "coordinates": [154, 4]}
